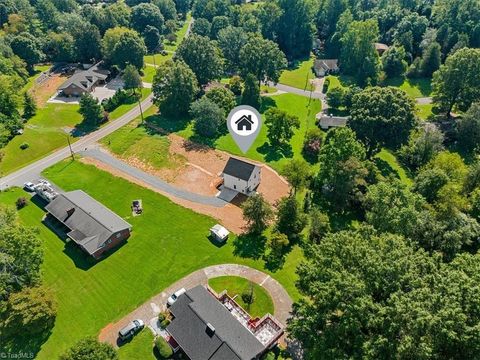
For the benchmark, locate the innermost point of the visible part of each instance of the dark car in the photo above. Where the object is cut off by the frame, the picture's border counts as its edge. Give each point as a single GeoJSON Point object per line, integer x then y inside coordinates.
{"type": "Point", "coordinates": [131, 329]}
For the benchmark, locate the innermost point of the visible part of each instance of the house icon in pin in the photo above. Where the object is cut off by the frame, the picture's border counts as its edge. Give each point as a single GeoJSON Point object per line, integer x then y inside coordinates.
{"type": "Point", "coordinates": [244, 123]}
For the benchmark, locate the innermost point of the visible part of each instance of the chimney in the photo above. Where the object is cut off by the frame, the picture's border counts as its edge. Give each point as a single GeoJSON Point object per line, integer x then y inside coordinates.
{"type": "Point", "coordinates": [210, 330]}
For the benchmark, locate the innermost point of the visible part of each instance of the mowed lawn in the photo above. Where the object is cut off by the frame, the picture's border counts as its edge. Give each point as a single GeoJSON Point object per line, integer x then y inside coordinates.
{"type": "Point", "coordinates": [388, 164]}
{"type": "Point", "coordinates": [236, 286]}
{"type": "Point", "coordinates": [416, 88]}
{"type": "Point", "coordinates": [299, 75]}
{"type": "Point", "coordinates": [167, 243]}
{"type": "Point", "coordinates": [140, 347]}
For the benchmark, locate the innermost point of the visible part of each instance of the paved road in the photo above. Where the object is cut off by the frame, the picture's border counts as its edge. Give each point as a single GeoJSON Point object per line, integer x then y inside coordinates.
{"type": "Point", "coordinates": [148, 312]}
{"type": "Point", "coordinates": [33, 170]}
{"type": "Point", "coordinates": [152, 180]}
{"type": "Point", "coordinates": [294, 90]}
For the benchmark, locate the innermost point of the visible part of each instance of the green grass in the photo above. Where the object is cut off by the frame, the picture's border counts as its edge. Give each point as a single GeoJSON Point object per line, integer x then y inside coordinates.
{"type": "Point", "coordinates": [416, 88]}
{"type": "Point", "coordinates": [299, 76]}
{"type": "Point", "coordinates": [389, 165]}
{"type": "Point", "coordinates": [140, 347]}
{"type": "Point", "coordinates": [424, 111]}
{"type": "Point", "coordinates": [235, 286]}
{"type": "Point", "coordinates": [168, 242]}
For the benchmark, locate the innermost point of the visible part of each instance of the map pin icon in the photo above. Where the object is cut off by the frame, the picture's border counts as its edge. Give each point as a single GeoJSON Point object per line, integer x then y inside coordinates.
{"type": "Point", "coordinates": [244, 123]}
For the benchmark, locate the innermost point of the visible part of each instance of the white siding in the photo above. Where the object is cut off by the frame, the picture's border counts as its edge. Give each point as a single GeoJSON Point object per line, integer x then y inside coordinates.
{"type": "Point", "coordinates": [245, 187]}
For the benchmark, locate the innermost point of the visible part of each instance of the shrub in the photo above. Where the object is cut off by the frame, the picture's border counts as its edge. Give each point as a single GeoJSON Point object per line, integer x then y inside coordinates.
{"type": "Point", "coordinates": [326, 84]}
{"type": "Point", "coordinates": [24, 146]}
{"type": "Point", "coordinates": [164, 323]}
{"type": "Point", "coordinates": [161, 317]}
{"type": "Point", "coordinates": [119, 98]}
{"type": "Point", "coordinates": [163, 348]}
{"type": "Point", "coordinates": [21, 202]}
{"type": "Point", "coordinates": [235, 85]}
{"type": "Point", "coordinates": [248, 296]}
{"type": "Point", "coordinates": [269, 356]}
{"type": "Point", "coordinates": [312, 144]}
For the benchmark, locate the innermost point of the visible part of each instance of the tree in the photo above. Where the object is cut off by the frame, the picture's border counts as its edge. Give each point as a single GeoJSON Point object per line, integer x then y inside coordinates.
{"type": "Point", "coordinates": [335, 97]}
{"type": "Point", "coordinates": [280, 126]}
{"type": "Point", "coordinates": [358, 56]}
{"type": "Point", "coordinates": [319, 226]}
{"type": "Point", "coordinates": [129, 49]}
{"type": "Point", "coordinates": [257, 213]}
{"type": "Point", "coordinates": [312, 144]}
{"type": "Point", "coordinates": [29, 105]}
{"type": "Point", "coordinates": [90, 109]}
{"type": "Point", "coordinates": [429, 181]}
{"type": "Point", "coordinates": [202, 27]}
{"type": "Point", "coordinates": [223, 97]}
{"type": "Point", "coordinates": [297, 173]}
{"type": "Point", "coordinates": [235, 85]}
{"type": "Point", "coordinates": [21, 254]}
{"type": "Point", "coordinates": [90, 348]}
{"type": "Point", "coordinates": [174, 88]}
{"type": "Point", "coordinates": [167, 9]}
{"type": "Point", "coordinates": [87, 43]}
{"type": "Point", "coordinates": [468, 129]}
{"type": "Point", "coordinates": [145, 14]}
{"type": "Point", "coordinates": [231, 41]}
{"type": "Point", "coordinates": [251, 92]}
{"type": "Point", "coordinates": [117, 14]}
{"type": "Point", "coordinates": [369, 295]}
{"type": "Point", "coordinates": [382, 117]}
{"type": "Point", "coordinates": [277, 242]}
{"type": "Point", "coordinates": [208, 117]}
{"type": "Point", "coordinates": [152, 39]}
{"type": "Point", "coordinates": [290, 219]}
{"type": "Point", "coordinates": [294, 30]}
{"type": "Point", "coordinates": [344, 174]}
{"type": "Point", "coordinates": [423, 144]}
{"type": "Point", "coordinates": [27, 47]}
{"type": "Point", "coordinates": [164, 349]}
{"type": "Point", "coordinates": [182, 6]}
{"type": "Point", "coordinates": [457, 82]}
{"type": "Point", "coordinates": [218, 23]}
{"type": "Point", "coordinates": [131, 78]}
{"type": "Point", "coordinates": [203, 56]}
{"type": "Point", "coordinates": [60, 47]}
{"type": "Point", "coordinates": [393, 61]}
{"type": "Point", "coordinates": [269, 14]}
{"type": "Point", "coordinates": [110, 39]}
{"type": "Point", "coordinates": [28, 312]}
{"type": "Point", "coordinates": [262, 58]}
{"type": "Point", "coordinates": [431, 59]}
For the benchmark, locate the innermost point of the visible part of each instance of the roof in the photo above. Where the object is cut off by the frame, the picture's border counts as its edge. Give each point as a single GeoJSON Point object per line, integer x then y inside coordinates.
{"type": "Point", "coordinates": [239, 168]}
{"type": "Point", "coordinates": [230, 341]}
{"type": "Point", "coordinates": [327, 121]}
{"type": "Point", "coordinates": [326, 64]}
{"type": "Point", "coordinates": [380, 46]}
{"type": "Point", "coordinates": [85, 79]}
{"type": "Point", "coordinates": [220, 231]}
{"type": "Point", "coordinates": [90, 222]}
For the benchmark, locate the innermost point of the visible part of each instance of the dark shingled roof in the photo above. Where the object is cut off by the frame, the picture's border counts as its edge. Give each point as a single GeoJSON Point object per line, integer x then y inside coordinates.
{"type": "Point", "coordinates": [239, 168]}
{"type": "Point", "coordinates": [85, 79]}
{"type": "Point", "coordinates": [231, 341]}
{"type": "Point", "coordinates": [90, 222]}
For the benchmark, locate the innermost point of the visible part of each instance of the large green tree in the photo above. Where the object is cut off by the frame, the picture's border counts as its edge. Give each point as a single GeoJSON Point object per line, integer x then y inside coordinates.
{"type": "Point", "coordinates": [130, 49]}
{"type": "Point", "coordinates": [91, 110]}
{"type": "Point", "coordinates": [468, 128]}
{"type": "Point", "coordinates": [174, 88]}
{"type": "Point", "coordinates": [208, 117]}
{"type": "Point", "coordinates": [203, 56]}
{"type": "Point", "coordinates": [88, 349]}
{"type": "Point", "coordinates": [27, 47]}
{"type": "Point", "coordinates": [382, 116]}
{"type": "Point", "coordinates": [145, 14]}
{"type": "Point", "coordinates": [257, 213]}
{"type": "Point", "coordinates": [251, 92]}
{"type": "Point", "coordinates": [280, 126]}
{"type": "Point", "coordinates": [290, 218]}
{"type": "Point", "coordinates": [231, 41]}
{"type": "Point", "coordinates": [457, 82]}
{"type": "Point", "coordinates": [371, 296]}
{"type": "Point", "coordinates": [262, 58]}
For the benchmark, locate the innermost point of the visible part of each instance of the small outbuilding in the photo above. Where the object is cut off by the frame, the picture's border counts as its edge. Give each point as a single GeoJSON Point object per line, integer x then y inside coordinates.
{"type": "Point", "coordinates": [241, 176]}
{"type": "Point", "coordinates": [219, 233]}
{"type": "Point", "coordinates": [381, 48]}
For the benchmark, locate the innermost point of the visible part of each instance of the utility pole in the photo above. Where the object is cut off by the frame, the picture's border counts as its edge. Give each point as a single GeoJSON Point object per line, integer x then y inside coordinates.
{"type": "Point", "coordinates": [140, 106]}
{"type": "Point", "coordinates": [70, 147]}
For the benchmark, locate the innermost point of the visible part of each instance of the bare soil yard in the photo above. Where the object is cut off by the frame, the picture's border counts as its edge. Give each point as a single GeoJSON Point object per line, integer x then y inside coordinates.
{"type": "Point", "coordinates": [43, 91]}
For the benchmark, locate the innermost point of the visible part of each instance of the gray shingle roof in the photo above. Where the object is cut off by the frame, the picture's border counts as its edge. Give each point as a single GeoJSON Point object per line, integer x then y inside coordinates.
{"type": "Point", "coordinates": [239, 168]}
{"type": "Point", "coordinates": [85, 79]}
{"type": "Point", "coordinates": [90, 222]}
{"type": "Point", "coordinates": [231, 340]}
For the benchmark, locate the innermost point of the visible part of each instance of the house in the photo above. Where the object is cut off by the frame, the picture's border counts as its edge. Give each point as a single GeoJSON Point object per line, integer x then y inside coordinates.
{"type": "Point", "coordinates": [219, 233]}
{"type": "Point", "coordinates": [241, 176]}
{"type": "Point", "coordinates": [323, 67]}
{"type": "Point", "coordinates": [91, 225]}
{"type": "Point", "coordinates": [381, 48]}
{"type": "Point", "coordinates": [84, 81]}
{"type": "Point", "coordinates": [328, 121]}
{"type": "Point", "coordinates": [205, 328]}
{"type": "Point", "coordinates": [244, 123]}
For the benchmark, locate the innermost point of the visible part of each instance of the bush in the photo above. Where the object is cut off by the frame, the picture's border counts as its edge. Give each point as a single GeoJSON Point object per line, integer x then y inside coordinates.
{"type": "Point", "coordinates": [163, 348]}
{"type": "Point", "coordinates": [24, 146]}
{"type": "Point", "coordinates": [248, 296]}
{"type": "Point", "coordinates": [235, 85]}
{"type": "Point", "coordinates": [164, 323]}
{"type": "Point", "coordinates": [326, 84]}
{"type": "Point", "coordinates": [269, 356]}
{"type": "Point", "coordinates": [21, 202]}
{"type": "Point", "coordinates": [312, 144]}
{"type": "Point", "coordinates": [119, 98]}
{"type": "Point", "coordinates": [161, 317]}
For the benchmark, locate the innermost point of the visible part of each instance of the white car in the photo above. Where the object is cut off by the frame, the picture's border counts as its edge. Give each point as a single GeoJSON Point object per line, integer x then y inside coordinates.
{"type": "Point", "coordinates": [44, 182]}
{"type": "Point", "coordinates": [175, 296]}
{"type": "Point", "coordinates": [29, 186]}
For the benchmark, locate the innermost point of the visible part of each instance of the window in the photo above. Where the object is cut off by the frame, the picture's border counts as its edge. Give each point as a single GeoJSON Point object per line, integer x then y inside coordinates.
{"type": "Point", "coordinates": [235, 187]}
{"type": "Point", "coordinates": [118, 236]}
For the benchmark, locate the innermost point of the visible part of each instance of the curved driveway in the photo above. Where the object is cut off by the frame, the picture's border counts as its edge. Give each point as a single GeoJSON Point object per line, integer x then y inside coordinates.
{"type": "Point", "coordinates": [149, 310]}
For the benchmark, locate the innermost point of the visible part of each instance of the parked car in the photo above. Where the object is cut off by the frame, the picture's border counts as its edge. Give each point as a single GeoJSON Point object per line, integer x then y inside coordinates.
{"type": "Point", "coordinates": [29, 186]}
{"type": "Point", "coordinates": [175, 296]}
{"type": "Point", "coordinates": [131, 329]}
{"type": "Point", "coordinates": [44, 182]}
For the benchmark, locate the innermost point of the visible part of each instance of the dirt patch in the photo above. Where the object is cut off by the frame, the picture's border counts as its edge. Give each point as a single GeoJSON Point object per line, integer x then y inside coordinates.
{"type": "Point", "coordinates": [44, 91]}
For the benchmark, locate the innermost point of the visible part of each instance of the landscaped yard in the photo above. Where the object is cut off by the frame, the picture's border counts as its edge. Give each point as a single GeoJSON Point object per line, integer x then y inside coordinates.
{"type": "Point", "coordinates": [416, 88]}
{"type": "Point", "coordinates": [140, 347]}
{"type": "Point", "coordinates": [236, 286]}
{"type": "Point", "coordinates": [167, 243]}
{"type": "Point", "coordinates": [299, 76]}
